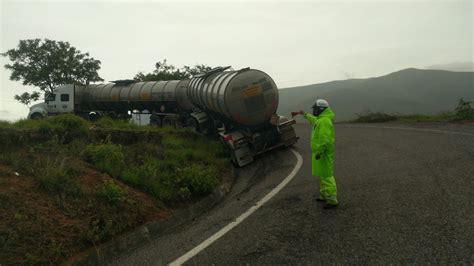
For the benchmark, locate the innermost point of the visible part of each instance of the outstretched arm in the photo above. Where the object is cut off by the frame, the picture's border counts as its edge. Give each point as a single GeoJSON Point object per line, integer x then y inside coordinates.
{"type": "Point", "coordinates": [311, 118]}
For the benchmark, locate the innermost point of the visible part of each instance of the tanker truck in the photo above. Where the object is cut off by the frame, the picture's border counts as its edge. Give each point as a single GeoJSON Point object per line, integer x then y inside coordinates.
{"type": "Point", "coordinates": [237, 106]}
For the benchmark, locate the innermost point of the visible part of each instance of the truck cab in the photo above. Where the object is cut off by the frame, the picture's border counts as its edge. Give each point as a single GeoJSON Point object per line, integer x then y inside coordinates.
{"type": "Point", "coordinates": [61, 100]}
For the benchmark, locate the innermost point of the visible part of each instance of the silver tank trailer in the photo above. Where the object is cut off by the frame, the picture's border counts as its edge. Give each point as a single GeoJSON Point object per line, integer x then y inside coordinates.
{"type": "Point", "coordinates": [137, 95]}
{"type": "Point", "coordinates": [248, 96]}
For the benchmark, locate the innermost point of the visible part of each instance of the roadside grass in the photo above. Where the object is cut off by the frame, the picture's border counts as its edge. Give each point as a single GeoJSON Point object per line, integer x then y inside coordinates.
{"type": "Point", "coordinates": [463, 112]}
{"type": "Point", "coordinates": [65, 189]}
{"type": "Point", "coordinates": [379, 117]}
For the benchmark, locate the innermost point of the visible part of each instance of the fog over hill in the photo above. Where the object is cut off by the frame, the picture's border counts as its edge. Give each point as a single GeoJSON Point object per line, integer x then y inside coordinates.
{"type": "Point", "coordinates": [406, 91]}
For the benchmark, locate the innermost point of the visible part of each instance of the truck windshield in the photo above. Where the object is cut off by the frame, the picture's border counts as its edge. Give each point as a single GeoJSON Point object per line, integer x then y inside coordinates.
{"type": "Point", "coordinates": [51, 97]}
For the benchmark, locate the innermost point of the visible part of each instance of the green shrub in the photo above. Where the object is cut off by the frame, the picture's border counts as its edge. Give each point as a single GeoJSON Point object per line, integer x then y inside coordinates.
{"type": "Point", "coordinates": [111, 192]}
{"type": "Point", "coordinates": [140, 175]}
{"type": "Point", "coordinates": [32, 124]}
{"type": "Point", "coordinates": [109, 123]}
{"type": "Point", "coordinates": [464, 111]}
{"type": "Point", "coordinates": [374, 117]}
{"type": "Point", "coordinates": [69, 126]}
{"type": "Point", "coordinates": [173, 142]}
{"type": "Point", "coordinates": [106, 157]}
{"type": "Point", "coordinates": [200, 179]}
{"type": "Point", "coordinates": [57, 180]}
{"type": "Point", "coordinates": [68, 121]}
{"type": "Point", "coordinates": [163, 187]}
{"type": "Point", "coordinates": [5, 124]}
{"type": "Point", "coordinates": [155, 177]}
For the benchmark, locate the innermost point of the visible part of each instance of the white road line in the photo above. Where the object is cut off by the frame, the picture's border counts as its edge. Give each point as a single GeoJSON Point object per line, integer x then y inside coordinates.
{"type": "Point", "coordinates": [243, 216]}
{"type": "Point", "coordinates": [417, 129]}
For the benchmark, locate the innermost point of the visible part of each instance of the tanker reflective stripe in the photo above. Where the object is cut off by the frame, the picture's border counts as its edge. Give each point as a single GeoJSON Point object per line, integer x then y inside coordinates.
{"type": "Point", "coordinates": [328, 189]}
{"type": "Point", "coordinates": [252, 90]}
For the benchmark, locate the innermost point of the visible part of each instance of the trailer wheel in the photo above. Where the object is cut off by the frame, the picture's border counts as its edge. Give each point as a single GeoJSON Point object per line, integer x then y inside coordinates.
{"type": "Point", "coordinates": [193, 125]}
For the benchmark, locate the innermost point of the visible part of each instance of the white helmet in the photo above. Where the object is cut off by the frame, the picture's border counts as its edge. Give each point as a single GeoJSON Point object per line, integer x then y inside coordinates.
{"type": "Point", "coordinates": [320, 103]}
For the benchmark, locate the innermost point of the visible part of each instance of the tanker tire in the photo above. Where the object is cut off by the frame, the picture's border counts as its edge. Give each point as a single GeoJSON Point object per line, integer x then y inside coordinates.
{"type": "Point", "coordinates": [94, 117]}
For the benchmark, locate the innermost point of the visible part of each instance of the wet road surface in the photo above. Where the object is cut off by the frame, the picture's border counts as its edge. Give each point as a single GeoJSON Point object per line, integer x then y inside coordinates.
{"type": "Point", "coordinates": [406, 195]}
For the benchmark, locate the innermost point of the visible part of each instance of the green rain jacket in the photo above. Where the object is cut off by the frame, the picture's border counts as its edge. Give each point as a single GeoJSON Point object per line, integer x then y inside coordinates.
{"type": "Point", "coordinates": [322, 142]}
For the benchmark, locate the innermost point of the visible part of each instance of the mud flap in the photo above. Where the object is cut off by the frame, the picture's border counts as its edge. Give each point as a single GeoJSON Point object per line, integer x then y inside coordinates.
{"type": "Point", "coordinates": [242, 156]}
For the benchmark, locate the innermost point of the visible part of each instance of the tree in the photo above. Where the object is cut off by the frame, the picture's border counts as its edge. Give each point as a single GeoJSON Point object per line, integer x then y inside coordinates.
{"type": "Point", "coordinates": [464, 111]}
{"type": "Point", "coordinates": [163, 71]}
{"type": "Point", "coordinates": [26, 98]}
{"type": "Point", "coordinates": [48, 64]}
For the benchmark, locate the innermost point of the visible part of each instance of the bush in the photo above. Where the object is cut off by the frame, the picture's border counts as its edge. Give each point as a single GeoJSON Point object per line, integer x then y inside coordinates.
{"type": "Point", "coordinates": [464, 111]}
{"type": "Point", "coordinates": [111, 192]}
{"type": "Point", "coordinates": [374, 117]}
{"type": "Point", "coordinates": [170, 180]}
{"type": "Point", "coordinates": [200, 179]}
{"type": "Point", "coordinates": [172, 142]}
{"type": "Point", "coordinates": [69, 126]}
{"type": "Point", "coordinates": [106, 157]}
{"type": "Point", "coordinates": [57, 180]}
{"type": "Point", "coordinates": [109, 123]}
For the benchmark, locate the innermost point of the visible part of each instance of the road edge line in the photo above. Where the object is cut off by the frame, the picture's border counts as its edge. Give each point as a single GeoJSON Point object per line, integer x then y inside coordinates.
{"type": "Point", "coordinates": [193, 252]}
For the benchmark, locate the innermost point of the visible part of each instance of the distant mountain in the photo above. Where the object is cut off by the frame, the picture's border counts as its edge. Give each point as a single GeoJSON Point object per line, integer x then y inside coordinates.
{"type": "Point", "coordinates": [458, 66]}
{"type": "Point", "coordinates": [406, 91]}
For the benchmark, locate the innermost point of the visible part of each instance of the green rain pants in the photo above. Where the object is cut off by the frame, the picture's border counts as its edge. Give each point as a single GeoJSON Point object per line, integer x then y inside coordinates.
{"type": "Point", "coordinates": [328, 189]}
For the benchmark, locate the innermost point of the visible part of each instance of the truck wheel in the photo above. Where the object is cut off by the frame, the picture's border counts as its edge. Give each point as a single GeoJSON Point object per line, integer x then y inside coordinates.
{"type": "Point", "coordinates": [94, 117]}
{"type": "Point", "coordinates": [36, 116]}
{"type": "Point", "coordinates": [193, 125]}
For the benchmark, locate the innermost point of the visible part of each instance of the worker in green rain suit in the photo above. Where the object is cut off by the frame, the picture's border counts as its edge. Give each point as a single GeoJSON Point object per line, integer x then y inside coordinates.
{"type": "Point", "coordinates": [322, 148]}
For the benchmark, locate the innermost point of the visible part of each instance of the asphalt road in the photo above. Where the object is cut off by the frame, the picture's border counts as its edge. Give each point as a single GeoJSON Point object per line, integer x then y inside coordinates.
{"type": "Point", "coordinates": [406, 195]}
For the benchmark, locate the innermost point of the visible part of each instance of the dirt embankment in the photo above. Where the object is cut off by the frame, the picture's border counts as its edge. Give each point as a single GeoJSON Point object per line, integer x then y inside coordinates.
{"type": "Point", "coordinates": [67, 185]}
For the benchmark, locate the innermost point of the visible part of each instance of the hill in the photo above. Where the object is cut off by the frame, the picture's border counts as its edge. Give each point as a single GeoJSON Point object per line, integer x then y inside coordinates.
{"type": "Point", "coordinates": [406, 91]}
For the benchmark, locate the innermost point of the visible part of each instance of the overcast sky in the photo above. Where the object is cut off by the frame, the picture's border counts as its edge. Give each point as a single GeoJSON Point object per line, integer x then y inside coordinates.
{"type": "Point", "coordinates": [295, 43]}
